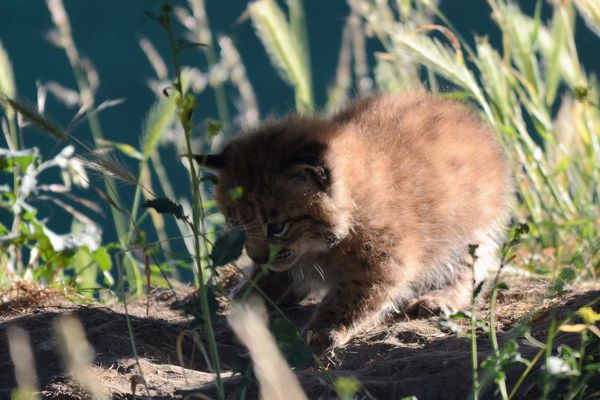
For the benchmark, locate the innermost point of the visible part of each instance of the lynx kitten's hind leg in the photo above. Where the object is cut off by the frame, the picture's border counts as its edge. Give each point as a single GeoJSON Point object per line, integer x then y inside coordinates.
{"type": "Point", "coordinates": [446, 301]}
{"type": "Point", "coordinates": [458, 293]}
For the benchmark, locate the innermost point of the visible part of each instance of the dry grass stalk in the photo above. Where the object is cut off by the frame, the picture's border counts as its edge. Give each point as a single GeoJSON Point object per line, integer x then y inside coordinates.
{"type": "Point", "coordinates": [247, 105]}
{"type": "Point", "coordinates": [158, 64]}
{"type": "Point", "coordinates": [36, 118]}
{"type": "Point", "coordinates": [79, 355]}
{"type": "Point", "coordinates": [276, 379]}
{"type": "Point", "coordinates": [19, 347]}
{"type": "Point", "coordinates": [101, 161]}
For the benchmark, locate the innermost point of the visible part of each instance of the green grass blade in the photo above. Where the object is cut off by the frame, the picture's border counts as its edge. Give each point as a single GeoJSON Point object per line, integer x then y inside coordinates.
{"type": "Point", "coordinates": [519, 30]}
{"type": "Point", "coordinates": [299, 35]}
{"type": "Point", "coordinates": [442, 60]}
{"type": "Point", "coordinates": [552, 62]}
{"type": "Point", "coordinates": [7, 81]}
{"type": "Point", "coordinates": [275, 33]}
{"type": "Point", "coordinates": [590, 11]}
{"type": "Point", "coordinates": [160, 117]}
{"type": "Point", "coordinates": [494, 74]}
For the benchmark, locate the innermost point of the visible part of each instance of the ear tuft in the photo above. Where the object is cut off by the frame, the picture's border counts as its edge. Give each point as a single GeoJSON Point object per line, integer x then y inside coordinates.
{"type": "Point", "coordinates": [211, 161]}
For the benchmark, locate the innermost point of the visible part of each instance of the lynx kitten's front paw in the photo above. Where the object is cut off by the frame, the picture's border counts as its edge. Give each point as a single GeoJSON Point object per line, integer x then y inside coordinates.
{"type": "Point", "coordinates": [319, 341]}
{"type": "Point", "coordinates": [322, 336]}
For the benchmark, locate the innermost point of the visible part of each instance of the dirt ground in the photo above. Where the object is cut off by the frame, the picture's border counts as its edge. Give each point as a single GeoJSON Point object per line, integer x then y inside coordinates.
{"type": "Point", "coordinates": [395, 359]}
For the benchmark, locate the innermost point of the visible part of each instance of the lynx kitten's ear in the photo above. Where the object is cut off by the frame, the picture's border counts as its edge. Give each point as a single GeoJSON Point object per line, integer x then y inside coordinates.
{"type": "Point", "coordinates": [307, 165]}
{"type": "Point", "coordinates": [216, 162]}
{"type": "Point", "coordinates": [316, 174]}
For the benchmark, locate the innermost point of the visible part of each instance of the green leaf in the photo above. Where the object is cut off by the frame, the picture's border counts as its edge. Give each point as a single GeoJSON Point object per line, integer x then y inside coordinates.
{"type": "Point", "coordinates": [240, 364]}
{"type": "Point", "coordinates": [346, 387]}
{"type": "Point", "coordinates": [297, 353]}
{"type": "Point", "coordinates": [192, 306]}
{"type": "Point", "coordinates": [472, 248]}
{"type": "Point", "coordinates": [235, 194]}
{"type": "Point", "coordinates": [478, 289]}
{"type": "Point", "coordinates": [23, 158]}
{"type": "Point", "coordinates": [29, 215]}
{"type": "Point", "coordinates": [588, 315]}
{"type": "Point", "coordinates": [102, 258]}
{"type": "Point", "coordinates": [448, 325]}
{"type": "Point", "coordinates": [228, 247]}
{"type": "Point", "coordinates": [274, 250]}
{"type": "Point", "coordinates": [522, 228]}
{"type": "Point", "coordinates": [165, 206]}
{"type": "Point", "coordinates": [186, 105]}
{"type": "Point", "coordinates": [213, 128]}
{"type": "Point", "coordinates": [461, 315]}
{"type": "Point", "coordinates": [566, 275]}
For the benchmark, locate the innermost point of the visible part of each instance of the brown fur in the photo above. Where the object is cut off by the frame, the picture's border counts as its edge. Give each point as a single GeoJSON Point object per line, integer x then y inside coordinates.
{"type": "Point", "coordinates": [384, 199]}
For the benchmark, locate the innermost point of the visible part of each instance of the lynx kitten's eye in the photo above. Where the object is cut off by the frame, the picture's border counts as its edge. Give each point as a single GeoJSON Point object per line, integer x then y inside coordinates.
{"type": "Point", "coordinates": [278, 229]}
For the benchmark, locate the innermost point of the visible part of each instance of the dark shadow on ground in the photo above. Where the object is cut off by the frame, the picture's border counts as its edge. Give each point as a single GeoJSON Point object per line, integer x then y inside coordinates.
{"type": "Point", "coordinates": [397, 359]}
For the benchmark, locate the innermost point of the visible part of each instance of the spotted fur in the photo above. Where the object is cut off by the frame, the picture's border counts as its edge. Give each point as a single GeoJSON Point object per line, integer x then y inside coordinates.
{"type": "Point", "coordinates": [378, 204]}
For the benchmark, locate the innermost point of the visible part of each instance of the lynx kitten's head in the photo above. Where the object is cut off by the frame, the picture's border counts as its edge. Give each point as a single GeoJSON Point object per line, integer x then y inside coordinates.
{"type": "Point", "coordinates": [275, 184]}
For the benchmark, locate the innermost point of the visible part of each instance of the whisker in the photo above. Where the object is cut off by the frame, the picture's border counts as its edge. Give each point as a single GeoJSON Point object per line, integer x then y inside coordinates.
{"type": "Point", "coordinates": [242, 225]}
{"type": "Point", "coordinates": [248, 220]}
{"type": "Point", "coordinates": [260, 238]}
{"type": "Point", "coordinates": [250, 223]}
{"type": "Point", "coordinates": [249, 227]}
{"type": "Point", "coordinates": [318, 268]}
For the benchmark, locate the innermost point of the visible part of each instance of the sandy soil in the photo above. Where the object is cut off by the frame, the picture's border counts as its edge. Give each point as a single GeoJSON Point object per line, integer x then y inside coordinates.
{"type": "Point", "coordinates": [395, 359]}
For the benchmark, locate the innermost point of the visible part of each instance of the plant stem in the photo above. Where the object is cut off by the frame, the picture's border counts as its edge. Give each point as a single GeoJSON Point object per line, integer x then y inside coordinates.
{"type": "Point", "coordinates": [548, 353]}
{"type": "Point", "coordinates": [494, 340]}
{"type": "Point", "coordinates": [197, 209]}
{"type": "Point", "coordinates": [526, 373]}
{"type": "Point", "coordinates": [17, 266]}
{"type": "Point", "coordinates": [474, 362]}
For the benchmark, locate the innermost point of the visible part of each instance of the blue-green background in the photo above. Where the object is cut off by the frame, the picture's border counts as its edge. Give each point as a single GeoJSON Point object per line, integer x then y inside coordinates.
{"type": "Point", "coordinates": [108, 31]}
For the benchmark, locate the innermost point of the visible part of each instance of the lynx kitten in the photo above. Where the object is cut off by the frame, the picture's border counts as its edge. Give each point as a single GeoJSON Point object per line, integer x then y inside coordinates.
{"type": "Point", "coordinates": [372, 208]}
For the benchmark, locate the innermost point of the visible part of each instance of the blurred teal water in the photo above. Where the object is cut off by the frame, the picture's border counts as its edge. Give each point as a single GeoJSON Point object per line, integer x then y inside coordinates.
{"type": "Point", "coordinates": [108, 32]}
